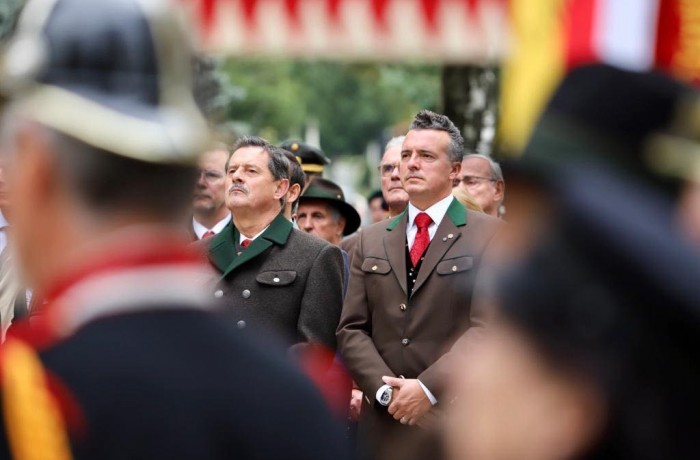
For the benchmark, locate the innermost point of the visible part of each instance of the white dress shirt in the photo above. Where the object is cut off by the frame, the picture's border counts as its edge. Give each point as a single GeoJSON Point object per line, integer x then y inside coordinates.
{"type": "Point", "coordinates": [200, 229]}
{"type": "Point", "coordinates": [242, 237]}
{"type": "Point", "coordinates": [437, 213]}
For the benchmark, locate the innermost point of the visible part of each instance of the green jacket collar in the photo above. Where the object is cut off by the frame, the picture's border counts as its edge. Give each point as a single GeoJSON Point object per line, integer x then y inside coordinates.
{"type": "Point", "coordinates": [456, 212]}
{"type": "Point", "coordinates": [222, 247]}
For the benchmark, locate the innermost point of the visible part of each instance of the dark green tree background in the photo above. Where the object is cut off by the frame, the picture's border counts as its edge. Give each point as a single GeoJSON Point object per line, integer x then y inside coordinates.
{"type": "Point", "coordinates": [353, 103]}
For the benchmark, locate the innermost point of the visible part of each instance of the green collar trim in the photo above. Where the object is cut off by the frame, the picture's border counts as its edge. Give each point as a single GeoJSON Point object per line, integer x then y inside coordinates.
{"type": "Point", "coordinates": [456, 212]}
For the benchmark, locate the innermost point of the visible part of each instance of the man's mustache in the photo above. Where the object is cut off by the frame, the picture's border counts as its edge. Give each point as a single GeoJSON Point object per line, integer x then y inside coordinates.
{"type": "Point", "coordinates": [238, 186]}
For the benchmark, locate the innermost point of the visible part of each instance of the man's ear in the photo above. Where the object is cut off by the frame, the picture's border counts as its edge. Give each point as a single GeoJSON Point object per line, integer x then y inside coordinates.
{"type": "Point", "coordinates": [294, 192]}
{"type": "Point", "coordinates": [454, 172]}
{"type": "Point", "coordinates": [341, 225]}
{"type": "Point", "coordinates": [282, 188]}
{"type": "Point", "coordinates": [500, 190]}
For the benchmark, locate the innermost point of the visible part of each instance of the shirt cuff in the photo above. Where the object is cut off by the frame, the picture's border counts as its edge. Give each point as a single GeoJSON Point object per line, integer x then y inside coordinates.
{"type": "Point", "coordinates": [431, 397]}
{"type": "Point", "coordinates": [381, 391]}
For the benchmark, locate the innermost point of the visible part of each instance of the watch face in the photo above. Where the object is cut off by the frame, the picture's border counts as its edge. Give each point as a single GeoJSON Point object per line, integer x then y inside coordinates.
{"type": "Point", "coordinates": [386, 396]}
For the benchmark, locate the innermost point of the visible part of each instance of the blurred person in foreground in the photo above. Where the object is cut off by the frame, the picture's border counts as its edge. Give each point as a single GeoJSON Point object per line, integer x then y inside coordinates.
{"type": "Point", "coordinates": [591, 346]}
{"type": "Point", "coordinates": [210, 214]}
{"type": "Point", "coordinates": [481, 177]}
{"type": "Point", "coordinates": [13, 298]}
{"type": "Point", "coordinates": [409, 296]}
{"type": "Point", "coordinates": [272, 277]}
{"type": "Point", "coordinates": [128, 360]}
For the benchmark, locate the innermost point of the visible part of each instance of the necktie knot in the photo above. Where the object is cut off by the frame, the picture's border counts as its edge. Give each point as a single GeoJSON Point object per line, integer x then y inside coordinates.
{"type": "Point", "coordinates": [423, 220]}
{"type": "Point", "coordinates": [208, 234]}
{"type": "Point", "coordinates": [245, 243]}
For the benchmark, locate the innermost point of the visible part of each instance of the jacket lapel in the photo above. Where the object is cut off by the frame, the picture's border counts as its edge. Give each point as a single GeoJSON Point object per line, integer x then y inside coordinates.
{"type": "Point", "coordinates": [222, 248]}
{"type": "Point", "coordinates": [447, 233]}
{"type": "Point", "coordinates": [395, 248]}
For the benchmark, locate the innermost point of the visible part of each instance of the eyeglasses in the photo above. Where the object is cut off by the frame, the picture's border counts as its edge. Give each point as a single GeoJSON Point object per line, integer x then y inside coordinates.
{"type": "Point", "coordinates": [387, 169]}
{"type": "Point", "coordinates": [471, 181]}
{"type": "Point", "coordinates": [210, 175]}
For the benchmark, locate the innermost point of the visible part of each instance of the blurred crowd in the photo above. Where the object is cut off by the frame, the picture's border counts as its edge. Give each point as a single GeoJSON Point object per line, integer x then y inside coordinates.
{"type": "Point", "coordinates": [166, 295]}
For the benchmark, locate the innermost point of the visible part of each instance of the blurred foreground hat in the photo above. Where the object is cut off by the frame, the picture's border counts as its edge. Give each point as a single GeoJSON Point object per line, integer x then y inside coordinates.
{"type": "Point", "coordinates": [610, 294]}
{"type": "Point", "coordinates": [114, 74]}
{"type": "Point", "coordinates": [325, 190]}
{"type": "Point", "coordinates": [311, 158]}
{"type": "Point", "coordinates": [643, 124]}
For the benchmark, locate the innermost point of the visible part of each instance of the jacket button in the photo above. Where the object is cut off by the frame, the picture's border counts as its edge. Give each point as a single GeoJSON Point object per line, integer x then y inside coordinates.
{"type": "Point", "coordinates": [402, 307]}
{"type": "Point", "coordinates": [219, 294]}
{"type": "Point", "coordinates": [374, 268]}
{"type": "Point", "coordinates": [454, 268]}
{"type": "Point", "coordinates": [405, 342]}
{"type": "Point", "coordinates": [240, 324]}
{"type": "Point", "coordinates": [276, 280]}
{"type": "Point", "coordinates": [245, 293]}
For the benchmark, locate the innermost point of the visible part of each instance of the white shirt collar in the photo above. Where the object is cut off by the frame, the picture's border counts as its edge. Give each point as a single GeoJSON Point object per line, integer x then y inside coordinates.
{"type": "Point", "coordinates": [436, 211]}
{"type": "Point", "coordinates": [200, 229]}
{"type": "Point", "coordinates": [242, 237]}
{"type": "Point", "coordinates": [3, 222]}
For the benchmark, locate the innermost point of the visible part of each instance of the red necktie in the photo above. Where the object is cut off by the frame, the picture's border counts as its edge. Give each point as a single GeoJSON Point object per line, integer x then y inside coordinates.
{"type": "Point", "coordinates": [208, 234]}
{"type": "Point", "coordinates": [422, 240]}
{"type": "Point", "coordinates": [245, 243]}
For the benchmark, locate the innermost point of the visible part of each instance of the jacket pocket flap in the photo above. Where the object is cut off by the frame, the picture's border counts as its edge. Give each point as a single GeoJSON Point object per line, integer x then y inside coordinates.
{"type": "Point", "coordinates": [373, 265]}
{"type": "Point", "coordinates": [456, 265]}
{"type": "Point", "coordinates": [276, 278]}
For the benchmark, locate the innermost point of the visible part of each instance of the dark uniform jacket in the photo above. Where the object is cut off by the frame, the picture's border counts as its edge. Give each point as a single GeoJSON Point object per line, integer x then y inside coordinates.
{"type": "Point", "coordinates": [387, 330]}
{"type": "Point", "coordinates": [141, 366]}
{"type": "Point", "coordinates": [287, 283]}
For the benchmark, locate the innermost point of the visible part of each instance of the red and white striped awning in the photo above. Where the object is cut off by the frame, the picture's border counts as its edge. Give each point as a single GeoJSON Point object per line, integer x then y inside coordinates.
{"type": "Point", "coordinates": [434, 30]}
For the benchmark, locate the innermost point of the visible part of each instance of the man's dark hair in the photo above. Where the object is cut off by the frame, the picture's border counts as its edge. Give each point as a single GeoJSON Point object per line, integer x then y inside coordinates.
{"type": "Point", "coordinates": [425, 119]}
{"type": "Point", "coordinates": [277, 164]}
{"type": "Point", "coordinates": [296, 174]}
{"type": "Point", "coordinates": [107, 183]}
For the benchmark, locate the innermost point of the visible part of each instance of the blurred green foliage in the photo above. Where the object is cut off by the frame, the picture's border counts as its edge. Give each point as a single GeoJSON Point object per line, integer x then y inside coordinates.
{"type": "Point", "coordinates": [353, 103]}
{"type": "Point", "coordinates": [9, 11]}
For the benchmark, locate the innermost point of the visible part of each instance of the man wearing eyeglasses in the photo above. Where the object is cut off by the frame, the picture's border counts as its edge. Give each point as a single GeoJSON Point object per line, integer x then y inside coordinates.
{"type": "Point", "coordinates": [210, 214]}
{"type": "Point", "coordinates": [482, 178]}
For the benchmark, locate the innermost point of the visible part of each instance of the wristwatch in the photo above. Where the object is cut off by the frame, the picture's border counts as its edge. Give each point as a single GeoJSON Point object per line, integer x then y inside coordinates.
{"type": "Point", "coordinates": [386, 397]}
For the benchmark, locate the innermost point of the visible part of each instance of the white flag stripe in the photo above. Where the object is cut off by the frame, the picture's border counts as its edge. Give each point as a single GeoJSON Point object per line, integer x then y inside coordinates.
{"type": "Point", "coordinates": [625, 32]}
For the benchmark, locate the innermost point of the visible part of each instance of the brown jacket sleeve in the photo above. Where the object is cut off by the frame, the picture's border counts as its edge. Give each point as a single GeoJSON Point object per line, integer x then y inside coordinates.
{"type": "Point", "coordinates": [354, 340]}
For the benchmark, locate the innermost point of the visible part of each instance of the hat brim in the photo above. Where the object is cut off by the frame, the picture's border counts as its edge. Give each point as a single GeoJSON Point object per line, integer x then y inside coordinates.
{"type": "Point", "coordinates": [117, 124]}
{"type": "Point", "coordinates": [352, 218]}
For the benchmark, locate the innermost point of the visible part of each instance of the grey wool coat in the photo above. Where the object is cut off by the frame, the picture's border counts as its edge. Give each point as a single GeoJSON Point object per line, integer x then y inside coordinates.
{"type": "Point", "coordinates": [286, 283]}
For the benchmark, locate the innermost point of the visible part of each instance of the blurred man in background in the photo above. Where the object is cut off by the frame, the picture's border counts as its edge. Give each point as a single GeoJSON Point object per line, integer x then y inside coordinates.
{"type": "Point", "coordinates": [324, 212]}
{"type": "Point", "coordinates": [481, 177]}
{"type": "Point", "coordinates": [128, 360]}
{"type": "Point", "coordinates": [394, 195]}
{"type": "Point", "coordinates": [209, 206]}
{"type": "Point", "coordinates": [312, 159]}
{"type": "Point", "coordinates": [378, 208]}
